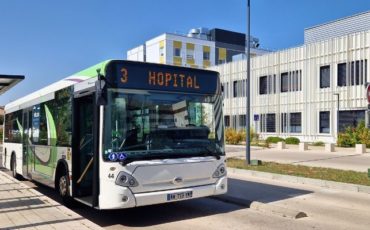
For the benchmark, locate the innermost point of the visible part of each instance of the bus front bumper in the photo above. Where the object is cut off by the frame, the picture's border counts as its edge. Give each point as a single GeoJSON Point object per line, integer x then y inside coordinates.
{"type": "Point", "coordinates": [124, 198]}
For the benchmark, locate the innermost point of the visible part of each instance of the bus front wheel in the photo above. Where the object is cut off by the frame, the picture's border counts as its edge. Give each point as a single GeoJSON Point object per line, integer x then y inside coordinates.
{"type": "Point", "coordinates": [63, 187]}
{"type": "Point", "coordinates": [13, 167]}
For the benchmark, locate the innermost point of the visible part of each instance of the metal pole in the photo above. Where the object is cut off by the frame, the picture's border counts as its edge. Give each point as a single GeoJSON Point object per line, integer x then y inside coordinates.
{"type": "Point", "coordinates": [247, 117]}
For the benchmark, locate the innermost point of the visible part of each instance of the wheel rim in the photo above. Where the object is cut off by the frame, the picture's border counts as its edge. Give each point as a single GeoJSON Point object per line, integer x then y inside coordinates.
{"type": "Point", "coordinates": [13, 167]}
{"type": "Point", "coordinates": [63, 186]}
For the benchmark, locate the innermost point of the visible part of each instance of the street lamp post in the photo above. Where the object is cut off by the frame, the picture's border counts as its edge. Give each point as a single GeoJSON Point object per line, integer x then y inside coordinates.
{"type": "Point", "coordinates": [337, 94]}
{"type": "Point", "coordinates": [247, 114]}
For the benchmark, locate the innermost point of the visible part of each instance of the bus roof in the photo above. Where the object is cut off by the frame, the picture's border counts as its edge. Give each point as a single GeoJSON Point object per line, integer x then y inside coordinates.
{"type": "Point", "coordinates": [44, 93]}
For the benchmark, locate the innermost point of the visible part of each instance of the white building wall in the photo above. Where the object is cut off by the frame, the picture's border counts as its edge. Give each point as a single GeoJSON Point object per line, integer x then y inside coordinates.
{"type": "Point", "coordinates": [136, 54]}
{"type": "Point", "coordinates": [152, 49]}
{"type": "Point", "coordinates": [311, 99]}
{"type": "Point", "coordinates": [198, 49]}
{"type": "Point", "coordinates": [348, 25]}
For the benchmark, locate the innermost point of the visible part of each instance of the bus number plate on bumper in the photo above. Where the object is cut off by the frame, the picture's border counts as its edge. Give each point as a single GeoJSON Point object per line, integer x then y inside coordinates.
{"type": "Point", "coordinates": [179, 196]}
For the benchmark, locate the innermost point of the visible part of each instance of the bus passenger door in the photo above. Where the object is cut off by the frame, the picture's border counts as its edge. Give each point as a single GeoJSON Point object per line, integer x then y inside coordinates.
{"type": "Point", "coordinates": [27, 148]}
{"type": "Point", "coordinates": [82, 157]}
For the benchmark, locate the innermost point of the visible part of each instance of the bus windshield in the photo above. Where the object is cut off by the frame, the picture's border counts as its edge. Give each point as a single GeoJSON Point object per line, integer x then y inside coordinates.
{"type": "Point", "coordinates": [154, 125]}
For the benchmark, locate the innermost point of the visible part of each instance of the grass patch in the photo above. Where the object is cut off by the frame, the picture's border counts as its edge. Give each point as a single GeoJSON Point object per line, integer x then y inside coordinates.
{"type": "Point", "coordinates": [337, 175]}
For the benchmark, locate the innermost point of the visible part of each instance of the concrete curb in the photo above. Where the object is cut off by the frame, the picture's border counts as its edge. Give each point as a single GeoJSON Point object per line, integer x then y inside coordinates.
{"type": "Point", "coordinates": [262, 207]}
{"type": "Point", "coordinates": [303, 180]}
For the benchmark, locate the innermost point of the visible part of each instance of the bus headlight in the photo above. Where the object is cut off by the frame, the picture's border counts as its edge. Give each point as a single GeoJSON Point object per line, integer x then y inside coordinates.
{"type": "Point", "coordinates": [220, 171]}
{"type": "Point", "coordinates": [125, 179]}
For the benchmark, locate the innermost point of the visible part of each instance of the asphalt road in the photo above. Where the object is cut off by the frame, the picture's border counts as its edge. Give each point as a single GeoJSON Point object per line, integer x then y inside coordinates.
{"type": "Point", "coordinates": [326, 209]}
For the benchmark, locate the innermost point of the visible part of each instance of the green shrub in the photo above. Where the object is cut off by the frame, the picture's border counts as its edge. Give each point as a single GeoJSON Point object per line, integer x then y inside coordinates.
{"type": "Point", "coordinates": [318, 143]}
{"type": "Point", "coordinates": [345, 140]}
{"type": "Point", "coordinates": [292, 141]}
{"type": "Point", "coordinates": [352, 136]}
{"type": "Point", "coordinates": [274, 139]}
{"type": "Point", "coordinates": [234, 137]}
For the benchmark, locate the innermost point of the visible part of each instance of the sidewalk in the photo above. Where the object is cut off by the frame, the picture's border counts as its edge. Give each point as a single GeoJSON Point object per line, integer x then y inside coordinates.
{"type": "Point", "coordinates": [342, 158]}
{"type": "Point", "coordinates": [22, 207]}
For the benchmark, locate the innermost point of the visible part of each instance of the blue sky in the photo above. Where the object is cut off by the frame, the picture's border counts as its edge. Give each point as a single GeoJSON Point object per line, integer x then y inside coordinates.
{"type": "Point", "coordinates": [49, 40]}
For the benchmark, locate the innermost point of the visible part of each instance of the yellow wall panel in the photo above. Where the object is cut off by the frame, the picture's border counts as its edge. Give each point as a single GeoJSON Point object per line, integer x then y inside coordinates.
{"type": "Point", "coordinates": [161, 44]}
{"type": "Point", "coordinates": [177, 44]}
{"type": "Point", "coordinates": [221, 53]}
{"type": "Point", "coordinates": [177, 60]}
{"type": "Point", "coordinates": [190, 46]}
{"type": "Point", "coordinates": [190, 61]}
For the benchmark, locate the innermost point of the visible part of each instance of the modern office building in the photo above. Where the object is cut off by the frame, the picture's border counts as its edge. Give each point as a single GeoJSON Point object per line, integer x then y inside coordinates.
{"type": "Point", "coordinates": [200, 48]}
{"type": "Point", "coordinates": [311, 91]}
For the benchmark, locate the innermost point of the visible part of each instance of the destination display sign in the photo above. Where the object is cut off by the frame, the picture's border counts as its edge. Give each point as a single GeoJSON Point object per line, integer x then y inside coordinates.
{"type": "Point", "coordinates": [148, 76]}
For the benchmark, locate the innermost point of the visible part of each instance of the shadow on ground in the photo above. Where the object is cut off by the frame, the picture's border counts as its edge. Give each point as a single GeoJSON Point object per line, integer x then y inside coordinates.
{"type": "Point", "coordinates": [178, 211]}
{"type": "Point", "coordinates": [262, 192]}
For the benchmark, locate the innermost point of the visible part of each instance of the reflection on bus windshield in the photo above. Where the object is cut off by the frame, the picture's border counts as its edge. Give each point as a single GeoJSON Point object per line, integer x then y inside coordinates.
{"type": "Point", "coordinates": [160, 121]}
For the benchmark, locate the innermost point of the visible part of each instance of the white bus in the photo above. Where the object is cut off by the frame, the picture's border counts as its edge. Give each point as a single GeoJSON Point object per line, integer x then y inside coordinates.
{"type": "Point", "coordinates": [121, 134]}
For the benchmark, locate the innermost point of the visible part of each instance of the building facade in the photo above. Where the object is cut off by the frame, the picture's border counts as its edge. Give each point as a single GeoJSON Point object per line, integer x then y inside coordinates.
{"type": "Point", "coordinates": [296, 92]}
{"type": "Point", "coordinates": [200, 48]}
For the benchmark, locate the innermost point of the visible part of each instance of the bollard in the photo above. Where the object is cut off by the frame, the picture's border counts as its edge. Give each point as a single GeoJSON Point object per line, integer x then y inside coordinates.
{"type": "Point", "coordinates": [281, 145]}
{"type": "Point", "coordinates": [303, 146]}
{"type": "Point", "coordinates": [360, 148]}
{"type": "Point", "coordinates": [329, 147]}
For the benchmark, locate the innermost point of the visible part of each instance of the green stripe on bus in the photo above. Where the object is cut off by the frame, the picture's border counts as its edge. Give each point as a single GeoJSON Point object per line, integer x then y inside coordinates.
{"type": "Point", "coordinates": [91, 71]}
{"type": "Point", "coordinates": [20, 128]}
{"type": "Point", "coordinates": [46, 170]}
{"type": "Point", "coordinates": [52, 134]}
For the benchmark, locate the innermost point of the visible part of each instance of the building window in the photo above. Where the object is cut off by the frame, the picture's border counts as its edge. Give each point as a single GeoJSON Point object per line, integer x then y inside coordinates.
{"type": "Point", "coordinates": [291, 122]}
{"type": "Point", "coordinates": [177, 52]}
{"type": "Point", "coordinates": [284, 82]}
{"type": "Point", "coordinates": [270, 123]}
{"type": "Point", "coordinates": [350, 118]}
{"type": "Point", "coordinates": [295, 122]}
{"type": "Point", "coordinates": [235, 88]}
{"type": "Point", "coordinates": [357, 73]}
{"type": "Point", "coordinates": [342, 69]}
{"type": "Point", "coordinates": [324, 122]}
{"type": "Point", "coordinates": [263, 85]}
{"type": "Point", "coordinates": [284, 122]}
{"type": "Point", "coordinates": [325, 76]}
{"type": "Point", "coordinates": [227, 121]}
{"type": "Point", "coordinates": [190, 54]}
{"type": "Point", "coordinates": [206, 55]}
{"type": "Point", "coordinates": [242, 121]}
{"type": "Point", "coordinates": [291, 81]}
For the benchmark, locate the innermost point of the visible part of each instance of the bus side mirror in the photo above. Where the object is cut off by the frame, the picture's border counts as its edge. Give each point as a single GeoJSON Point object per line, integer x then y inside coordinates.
{"type": "Point", "coordinates": [101, 90]}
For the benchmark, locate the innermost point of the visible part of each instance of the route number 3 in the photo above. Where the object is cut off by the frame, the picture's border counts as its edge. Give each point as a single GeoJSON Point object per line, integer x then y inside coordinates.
{"type": "Point", "coordinates": [124, 76]}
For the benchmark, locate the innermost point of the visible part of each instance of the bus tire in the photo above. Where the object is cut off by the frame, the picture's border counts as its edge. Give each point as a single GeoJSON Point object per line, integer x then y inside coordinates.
{"type": "Point", "coordinates": [62, 186]}
{"type": "Point", "coordinates": [13, 167]}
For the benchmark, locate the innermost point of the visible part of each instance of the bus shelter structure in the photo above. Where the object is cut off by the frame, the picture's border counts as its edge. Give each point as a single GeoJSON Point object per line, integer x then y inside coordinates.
{"type": "Point", "coordinates": [8, 81]}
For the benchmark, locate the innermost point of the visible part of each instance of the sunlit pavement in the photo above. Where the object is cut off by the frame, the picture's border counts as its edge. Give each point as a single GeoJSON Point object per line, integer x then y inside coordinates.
{"type": "Point", "coordinates": [24, 208]}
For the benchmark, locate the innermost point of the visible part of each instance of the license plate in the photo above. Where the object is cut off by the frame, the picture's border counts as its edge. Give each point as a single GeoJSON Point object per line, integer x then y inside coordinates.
{"type": "Point", "coordinates": [179, 196]}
